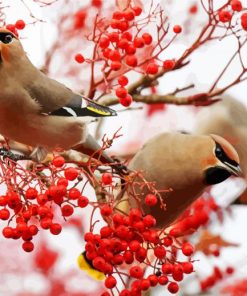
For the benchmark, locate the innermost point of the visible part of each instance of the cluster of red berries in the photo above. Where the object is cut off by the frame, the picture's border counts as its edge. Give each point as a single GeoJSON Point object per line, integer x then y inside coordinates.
{"type": "Point", "coordinates": [225, 15]}
{"type": "Point", "coordinates": [19, 25]}
{"type": "Point", "coordinates": [217, 275]}
{"type": "Point", "coordinates": [119, 48]}
{"type": "Point", "coordinates": [30, 203]}
{"type": "Point", "coordinates": [196, 216]}
{"type": "Point", "coordinates": [132, 238]}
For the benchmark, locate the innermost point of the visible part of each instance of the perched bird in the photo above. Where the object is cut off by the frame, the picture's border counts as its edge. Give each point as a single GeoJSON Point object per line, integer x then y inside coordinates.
{"type": "Point", "coordinates": [87, 265]}
{"type": "Point", "coordinates": [38, 111]}
{"type": "Point", "coordinates": [227, 118]}
{"type": "Point", "coordinates": [185, 163]}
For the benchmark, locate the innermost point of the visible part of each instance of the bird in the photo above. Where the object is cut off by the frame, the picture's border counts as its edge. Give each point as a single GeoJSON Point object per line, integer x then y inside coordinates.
{"type": "Point", "coordinates": [227, 118]}
{"type": "Point", "coordinates": [38, 111]}
{"type": "Point", "coordinates": [184, 163]}
{"type": "Point", "coordinates": [86, 265]}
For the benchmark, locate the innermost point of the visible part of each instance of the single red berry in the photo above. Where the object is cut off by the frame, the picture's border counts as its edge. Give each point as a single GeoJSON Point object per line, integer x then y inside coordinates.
{"type": "Point", "coordinates": [147, 38]}
{"type": "Point", "coordinates": [42, 199]}
{"type": "Point", "coordinates": [137, 10]}
{"type": "Point", "coordinates": [31, 193]}
{"type": "Point", "coordinates": [106, 231]}
{"type": "Point", "coordinates": [115, 55]}
{"type": "Point", "coordinates": [45, 223]}
{"type": "Point", "coordinates": [236, 5]}
{"type": "Point", "coordinates": [67, 210]}
{"type": "Point", "coordinates": [123, 80]}
{"type": "Point", "coordinates": [74, 193]}
{"type": "Point", "coordinates": [82, 201]}
{"type": "Point", "coordinates": [106, 210]}
{"type": "Point", "coordinates": [149, 221]}
{"type": "Point", "coordinates": [104, 42]}
{"type": "Point", "coordinates": [123, 26]}
{"type": "Point", "coordinates": [58, 161]}
{"type": "Point", "coordinates": [139, 42]}
{"type": "Point", "coordinates": [20, 25]}
{"type": "Point", "coordinates": [43, 211]}
{"type": "Point", "coordinates": [107, 177]}
{"type": "Point", "coordinates": [28, 246]}
{"type": "Point", "coordinates": [193, 9]}
{"type": "Point", "coordinates": [97, 3]}
{"type": "Point", "coordinates": [116, 65]}
{"type": "Point", "coordinates": [127, 35]}
{"type": "Point", "coordinates": [187, 267]}
{"type": "Point", "coordinates": [118, 15]}
{"type": "Point", "coordinates": [126, 101]}
{"type": "Point", "coordinates": [3, 200]}
{"type": "Point", "coordinates": [187, 249]}
{"type": "Point", "coordinates": [4, 214]}
{"type": "Point", "coordinates": [128, 257]}
{"type": "Point", "coordinates": [152, 69]}
{"type": "Point", "coordinates": [123, 43]}
{"type": "Point", "coordinates": [173, 287]}
{"type": "Point", "coordinates": [134, 246]}
{"type": "Point", "coordinates": [224, 16]}
{"type": "Point", "coordinates": [131, 60]}
{"type": "Point", "coordinates": [230, 270]}
{"type": "Point", "coordinates": [7, 232]}
{"type": "Point", "coordinates": [110, 282]}
{"type": "Point", "coordinates": [160, 252]}
{"type": "Point", "coordinates": [136, 272]}
{"type": "Point", "coordinates": [177, 29]}
{"type": "Point", "coordinates": [167, 241]}
{"type": "Point", "coordinates": [177, 273]}
{"type": "Point", "coordinates": [151, 200]}
{"type": "Point", "coordinates": [125, 292]}
{"type": "Point", "coordinates": [153, 280]}
{"type": "Point", "coordinates": [167, 268]}
{"type": "Point", "coordinates": [105, 294]}
{"type": "Point", "coordinates": [168, 64]}
{"type": "Point", "coordinates": [99, 263]}
{"type": "Point", "coordinates": [129, 14]}
{"type": "Point", "coordinates": [79, 58]}
{"type": "Point", "coordinates": [71, 174]}
{"type": "Point", "coordinates": [114, 37]}
{"type": "Point", "coordinates": [55, 228]}
{"type": "Point", "coordinates": [145, 284]}
{"type": "Point", "coordinates": [130, 50]}
{"type": "Point", "coordinates": [163, 280]}
{"type": "Point", "coordinates": [121, 92]}
{"type": "Point", "coordinates": [62, 181]}
{"type": "Point", "coordinates": [22, 227]}
{"type": "Point", "coordinates": [33, 229]}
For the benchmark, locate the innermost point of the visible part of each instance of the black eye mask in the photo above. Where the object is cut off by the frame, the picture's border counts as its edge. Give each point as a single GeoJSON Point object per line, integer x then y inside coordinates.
{"type": "Point", "coordinates": [221, 155]}
{"type": "Point", "coordinates": [6, 37]}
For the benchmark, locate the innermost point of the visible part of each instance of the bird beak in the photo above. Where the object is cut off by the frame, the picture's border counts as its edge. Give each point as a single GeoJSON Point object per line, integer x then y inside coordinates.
{"type": "Point", "coordinates": [234, 170]}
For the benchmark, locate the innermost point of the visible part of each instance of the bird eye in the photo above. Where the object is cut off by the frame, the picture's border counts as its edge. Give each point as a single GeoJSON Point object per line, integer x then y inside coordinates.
{"type": "Point", "coordinates": [219, 153]}
{"type": "Point", "coordinates": [7, 39]}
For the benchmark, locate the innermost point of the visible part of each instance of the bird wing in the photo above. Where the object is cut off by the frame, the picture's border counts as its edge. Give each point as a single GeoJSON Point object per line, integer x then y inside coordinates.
{"type": "Point", "coordinates": [56, 99]}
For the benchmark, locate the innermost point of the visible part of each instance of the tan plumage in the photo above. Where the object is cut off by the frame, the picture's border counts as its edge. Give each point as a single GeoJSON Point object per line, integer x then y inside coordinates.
{"type": "Point", "coordinates": [184, 163]}
{"type": "Point", "coordinates": [32, 105]}
{"type": "Point", "coordinates": [227, 118]}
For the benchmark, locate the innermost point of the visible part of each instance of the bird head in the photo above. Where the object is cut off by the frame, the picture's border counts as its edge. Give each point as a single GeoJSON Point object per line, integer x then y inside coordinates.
{"type": "Point", "coordinates": [224, 163]}
{"type": "Point", "coordinates": [10, 46]}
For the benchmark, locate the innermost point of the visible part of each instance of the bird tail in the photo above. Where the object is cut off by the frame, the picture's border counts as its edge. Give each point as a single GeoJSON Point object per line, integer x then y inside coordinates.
{"type": "Point", "coordinates": [96, 110]}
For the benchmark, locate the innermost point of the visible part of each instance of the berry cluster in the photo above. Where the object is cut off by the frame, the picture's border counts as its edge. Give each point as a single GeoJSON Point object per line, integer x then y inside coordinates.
{"type": "Point", "coordinates": [131, 239]}
{"type": "Point", "coordinates": [121, 47]}
{"type": "Point", "coordinates": [19, 25]}
{"type": "Point", "coordinates": [217, 275]}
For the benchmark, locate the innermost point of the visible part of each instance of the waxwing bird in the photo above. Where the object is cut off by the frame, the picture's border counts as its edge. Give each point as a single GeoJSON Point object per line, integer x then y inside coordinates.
{"type": "Point", "coordinates": [227, 118]}
{"type": "Point", "coordinates": [185, 163]}
{"type": "Point", "coordinates": [38, 111]}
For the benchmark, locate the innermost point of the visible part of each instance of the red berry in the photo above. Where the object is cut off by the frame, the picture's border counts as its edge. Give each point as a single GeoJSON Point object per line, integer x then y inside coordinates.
{"type": "Point", "coordinates": [104, 42]}
{"type": "Point", "coordinates": [149, 221]}
{"type": "Point", "coordinates": [43, 211]}
{"type": "Point", "coordinates": [145, 284]}
{"type": "Point", "coordinates": [62, 181]}
{"type": "Point", "coordinates": [177, 29]}
{"type": "Point", "coordinates": [106, 231]}
{"type": "Point", "coordinates": [46, 223]}
{"type": "Point", "coordinates": [177, 273]}
{"type": "Point", "coordinates": [110, 282]}
{"type": "Point", "coordinates": [130, 50]}
{"type": "Point", "coordinates": [173, 287]}
{"type": "Point", "coordinates": [167, 241]}
{"type": "Point", "coordinates": [123, 43]}
{"type": "Point", "coordinates": [121, 92]}
{"type": "Point", "coordinates": [7, 232]}
{"type": "Point", "coordinates": [236, 5]}
{"type": "Point", "coordinates": [42, 199]}
{"type": "Point", "coordinates": [55, 228]}
{"type": "Point", "coordinates": [58, 161]}
{"type": "Point", "coordinates": [4, 214]}
{"type": "Point", "coordinates": [67, 210]}
{"type": "Point", "coordinates": [160, 252]}
{"type": "Point", "coordinates": [147, 38]}
{"type": "Point", "coordinates": [123, 80]}
{"type": "Point", "coordinates": [187, 267]}
{"type": "Point", "coordinates": [153, 279]}
{"type": "Point", "coordinates": [139, 42]}
{"type": "Point", "coordinates": [136, 272]}
{"type": "Point", "coordinates": [106, 210]}
{"type": "Point", "coordinates": [127, 35]}
{"type": "Point", "coordinates": [71, 173]}
{"type": "Point", "coordinates": [168, 64]}
{"type": "Point", "coordinates": [28, 246]}
{"type": "Point", "coordinates": [152, 68]}
{"type": "Point", "coordinates": [123, 26]}
{"type": "Point", "coordinates": [193, 9]}
{"type": "Point", "coordinates": [163, 280]}
{"type": "Point", "coordinates": [33, 229]}
{"type": "Point", "coordinates": [131, 60]}
{"type": "Point", "coordinates": [115, 55]}
{"type": "Point", "coordinates": [128, 257]}
{"type": "Point", "coordinates": [82, 201]}
{"type": "Point", "coordinates": [107, 177]}
{"type": "Point", "coordinates": [97, 3]}
{"type": "Point", "coordinates": [105, 294]}
{"type": "Point", "coordinates": [115, 65]}
{"type": "Point", "coordinates": [167, 268]}
{"type": "Point", "coordinates": [74, 193]}
{"type": "Point", "coordinates": [113, 36]}
{"type": "Point", "coordinates": [151, 200]}
{"type": "Point", "coordinates": [118, 15]}
{"type": "Point", "coordinates": [125, 292]}
{"type": "Point", "coordinates": [137, 10]}
{"type": "Point", "coordinates": [20, 25]}
{"type": "Point", "coordinates": [230, 270]}
{"type": "Point", "coordinates": [224, 16]}
{"type": "Point", "coordinates": [79, 58]}
{"type": "Point", "coordinates": [31, 193]}
{"type": "Point", "coordinates": [129, 14]}
{"type": "Point", "coordinates": [187, 249]}
{"type": "Point", "coordinates": [3, 200]}
{"type": "Point", "coordinates": [126, 101]}
{"type": "Point", "coordinates": [134, 246]}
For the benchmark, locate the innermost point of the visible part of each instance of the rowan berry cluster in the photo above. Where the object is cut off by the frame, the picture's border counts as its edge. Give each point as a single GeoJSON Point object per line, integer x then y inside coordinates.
{"type": "Point", "coordinates": [133, 240]}
{"type": "Point", "coordinates": [19, 25]}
